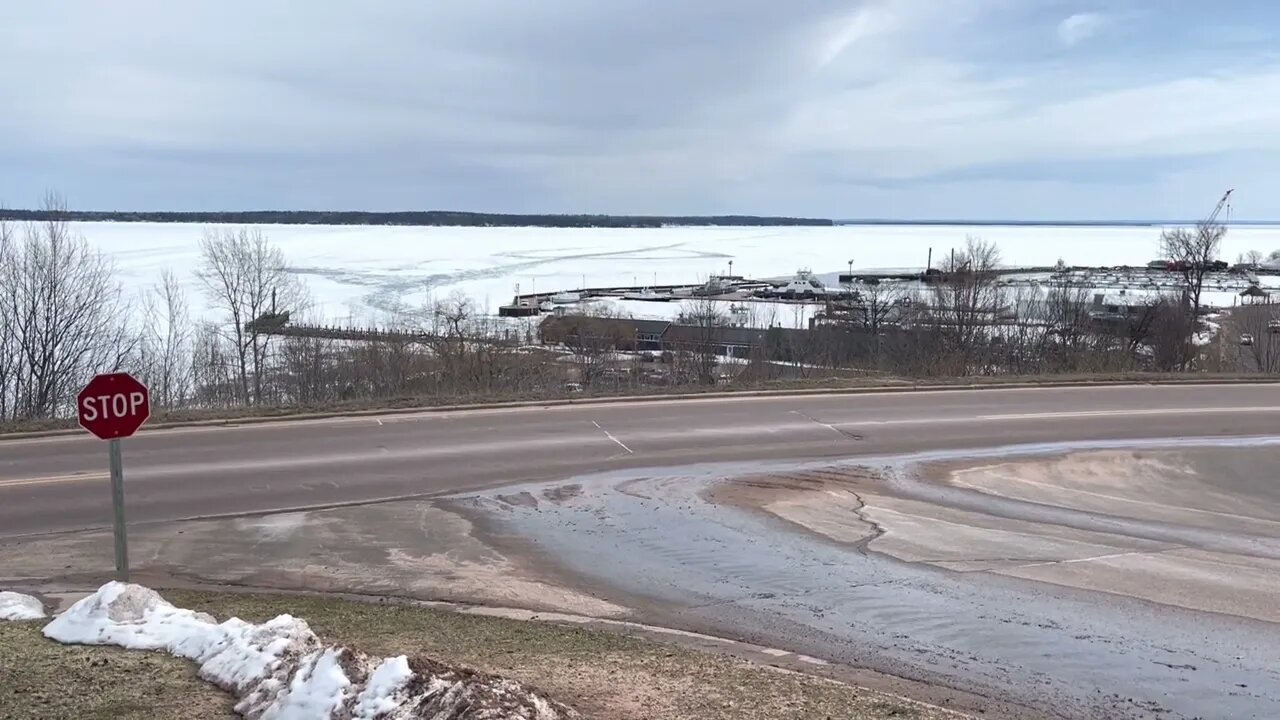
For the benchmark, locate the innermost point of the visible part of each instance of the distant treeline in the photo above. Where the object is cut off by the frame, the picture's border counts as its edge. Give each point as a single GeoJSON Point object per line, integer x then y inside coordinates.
{"type": "Point", "coordinates": [432, 217]}
{"type": "Point", "coordinates": [1045, 223]}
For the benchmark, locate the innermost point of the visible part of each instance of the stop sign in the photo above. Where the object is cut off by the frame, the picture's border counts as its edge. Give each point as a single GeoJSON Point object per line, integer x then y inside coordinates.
{"type": "Point", "coordinates": [113, 406]}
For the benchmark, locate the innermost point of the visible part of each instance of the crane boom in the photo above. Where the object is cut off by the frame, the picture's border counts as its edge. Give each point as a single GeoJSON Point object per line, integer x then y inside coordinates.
{"type": "Point", "coordinates": [1218, 210]}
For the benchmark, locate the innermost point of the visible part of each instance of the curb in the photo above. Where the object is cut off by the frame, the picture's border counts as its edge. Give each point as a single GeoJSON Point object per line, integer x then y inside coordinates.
{"type": "Point", "coordinates": [569, 402]}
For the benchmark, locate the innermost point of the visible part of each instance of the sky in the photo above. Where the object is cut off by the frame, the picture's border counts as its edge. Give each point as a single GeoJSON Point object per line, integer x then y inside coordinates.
{"type": "Point", "coordinates": [902, 109]}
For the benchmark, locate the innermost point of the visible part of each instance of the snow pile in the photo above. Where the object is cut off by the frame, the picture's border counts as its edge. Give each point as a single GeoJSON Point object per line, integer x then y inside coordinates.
{"type": "Point", "coordinates": [280, 670]}
{"type": "Point", "coordinates": [16, 606]}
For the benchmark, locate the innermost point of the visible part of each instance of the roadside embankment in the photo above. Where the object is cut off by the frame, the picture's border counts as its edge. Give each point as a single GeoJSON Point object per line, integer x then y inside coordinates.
{"type": "Point", "coordinates": [603, 675]}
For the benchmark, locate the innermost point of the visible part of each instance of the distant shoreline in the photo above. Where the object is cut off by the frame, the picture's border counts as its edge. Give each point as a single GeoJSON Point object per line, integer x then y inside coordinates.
{"type": "Point", "coordinates": [1049, 223]}
{"type": "Point", "coordinates": [436, 218]}
{"type": "Point", "coordinates": [444, 218]}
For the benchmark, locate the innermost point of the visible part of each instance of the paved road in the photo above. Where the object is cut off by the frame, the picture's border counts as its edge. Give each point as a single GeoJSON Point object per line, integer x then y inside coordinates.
{"type": "Point", "coordinates": [663, 548]}
{"type": "Point", "coordinates": [55, 484]}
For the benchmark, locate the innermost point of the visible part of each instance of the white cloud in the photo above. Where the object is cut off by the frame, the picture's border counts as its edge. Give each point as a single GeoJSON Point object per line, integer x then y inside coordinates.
{"type": "Point", "coordinates": [1080, 27]}
{"type": "Point", "coordinates": [862, 24]}
{"type": "Point", "coordinates": [660, 105]}
{"type": "Point", "coordinates": [931, 119]}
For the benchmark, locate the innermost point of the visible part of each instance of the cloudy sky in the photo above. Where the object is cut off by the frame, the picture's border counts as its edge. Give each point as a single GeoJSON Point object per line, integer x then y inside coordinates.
{"type": "Point", "coordinates": [1017, 109]}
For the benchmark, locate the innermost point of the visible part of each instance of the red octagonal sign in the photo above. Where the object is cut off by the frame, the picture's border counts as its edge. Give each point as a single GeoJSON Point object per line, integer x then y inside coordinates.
{"type": "Point", "coordinates": [113, 406]}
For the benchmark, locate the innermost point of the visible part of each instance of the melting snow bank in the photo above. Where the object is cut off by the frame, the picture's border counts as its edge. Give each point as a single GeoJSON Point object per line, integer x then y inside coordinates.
{"type": "Point", "coordinates": [16, 606]}
{"type": "Point", "coordinates": [280, 670]}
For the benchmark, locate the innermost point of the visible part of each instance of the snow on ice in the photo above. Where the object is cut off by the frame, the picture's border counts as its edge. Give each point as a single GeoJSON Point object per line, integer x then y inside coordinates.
{"type": "Point", "coordinates": [372, 271]}
{"type": "Point", "coordinates": [16, 606]}
{"type": "Point", "coordinates": [280, 669]}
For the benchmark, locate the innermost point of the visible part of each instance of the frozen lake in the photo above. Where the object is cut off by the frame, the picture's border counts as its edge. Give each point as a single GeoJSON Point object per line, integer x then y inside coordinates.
{"type": "Point", "coordinates": [366, 272]}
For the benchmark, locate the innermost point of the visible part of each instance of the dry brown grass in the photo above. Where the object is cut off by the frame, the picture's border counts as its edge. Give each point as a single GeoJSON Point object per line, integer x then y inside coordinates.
{"type": "Point", "coordinates": [606, 676]}
{"type": "Point", "coordinates": [42, 680]}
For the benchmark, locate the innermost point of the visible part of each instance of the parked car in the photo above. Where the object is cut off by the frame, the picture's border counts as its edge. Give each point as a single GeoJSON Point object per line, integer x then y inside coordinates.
{"type": "Point", "coordinates": [1246, 338]}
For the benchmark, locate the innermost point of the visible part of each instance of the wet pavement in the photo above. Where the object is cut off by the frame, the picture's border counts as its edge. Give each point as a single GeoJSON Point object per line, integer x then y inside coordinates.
{"type": "Point", "coordinates": [659, 544]}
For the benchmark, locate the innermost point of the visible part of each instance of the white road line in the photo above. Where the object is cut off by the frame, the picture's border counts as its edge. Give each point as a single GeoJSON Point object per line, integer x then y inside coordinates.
{"type": "Point", "coordinates": [620, 443]}
{"type": "Point", "coordinates": [816, 421]}
{"type": "Point", "coordinates": [611, 437]}
{"type": "Point", "coordinates": [51, 480]}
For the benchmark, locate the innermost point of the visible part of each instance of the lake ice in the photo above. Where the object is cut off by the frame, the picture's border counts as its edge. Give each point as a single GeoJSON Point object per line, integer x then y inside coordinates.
{"type": "Point", "coordinates": [365, 272]}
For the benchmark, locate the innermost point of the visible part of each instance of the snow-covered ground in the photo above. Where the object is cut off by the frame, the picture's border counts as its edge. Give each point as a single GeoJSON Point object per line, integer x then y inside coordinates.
{"type": "Point", "coordinates": [281, 670]}
{"type": "Point", "coordinates": [16, 606]}
{"type": "Point", "coordinates": [364, 272]}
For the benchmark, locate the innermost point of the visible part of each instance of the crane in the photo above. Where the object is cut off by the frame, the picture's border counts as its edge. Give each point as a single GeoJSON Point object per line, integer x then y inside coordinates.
{"type": "Point", "coordinates": [1226, 197]}
{"type": "Point", "coordinates": [1203, 225]}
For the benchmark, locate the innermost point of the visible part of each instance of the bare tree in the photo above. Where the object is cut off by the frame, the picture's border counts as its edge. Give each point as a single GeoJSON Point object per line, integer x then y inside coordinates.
{"type": "Point", "coordinates": [63, 316]}
{"type": "Point", "coordinates": [1252, 258]}
{"type": "Point", "coordinates": [1022, 336]}
{"type": "Point", "coordinates": [1171, 335]}
{"type": "Point", "coordinates": [213, 368]}
{"type": "Point", "coordinates": [8, 337]}
{"type": "Point", "coordinates": [165, 349]}
{"type": "Point", "coordinates": [386, 369]}
{"type": "Point", "coordinates": [965, 303]}
{"type": "Point", "coordinates": [452, 327]}
{"type": "Point", "coordinates": [881, 305]}
{"type": "Point", "coordinates": [1193, 252]}
{"type": "Point", "coordinates": [1076, 342]}
{"type": "Point", "coordinates": [705, 324]}
{"type": "Point", "coordinates": [1132, 329]}
{"type": "Point", "coordinates": [1067, 313]}
{"type": "Point", "coordinates": [246, 278]}
{"type": "Point", "coordinates": [762, 315]}
{"type": "Point", "coordinates": [307, 371]}
{"type": "Point", "coordinates": [593, 336]}
{"type": "Point", "coordinates": [852, 331]}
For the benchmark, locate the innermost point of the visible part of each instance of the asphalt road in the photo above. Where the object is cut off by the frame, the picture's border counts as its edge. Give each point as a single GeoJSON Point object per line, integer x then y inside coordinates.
{"type": "Point", "coordinates": [987, 593]}
{"type": "Point", "coordinates": [59, 483]}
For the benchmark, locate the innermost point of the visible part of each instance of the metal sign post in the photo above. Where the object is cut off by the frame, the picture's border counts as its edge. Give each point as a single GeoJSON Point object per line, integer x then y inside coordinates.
{"type": "Point", "coordinates": [114, 406]}
{"type": "Point", "coordinates": [117, 510]}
